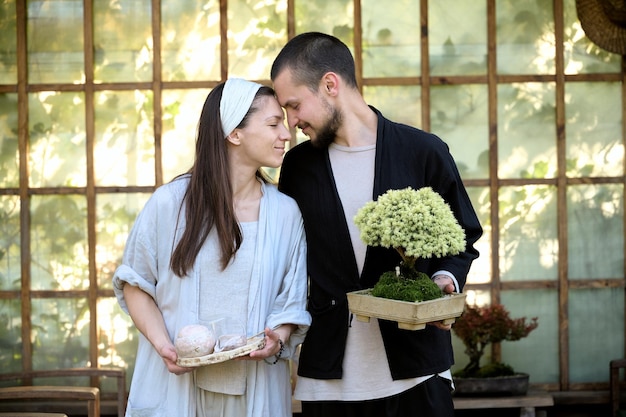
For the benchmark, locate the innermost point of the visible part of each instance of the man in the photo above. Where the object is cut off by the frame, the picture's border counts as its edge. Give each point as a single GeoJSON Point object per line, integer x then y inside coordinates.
{"type": "Point", "coordinates": [350, 368]}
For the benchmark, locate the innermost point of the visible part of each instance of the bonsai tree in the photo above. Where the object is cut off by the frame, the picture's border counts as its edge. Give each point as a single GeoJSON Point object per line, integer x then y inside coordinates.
{"type": "Point", "coordinates": [417, 224]}
{"type": "Point", "coordinates": [480, 326]}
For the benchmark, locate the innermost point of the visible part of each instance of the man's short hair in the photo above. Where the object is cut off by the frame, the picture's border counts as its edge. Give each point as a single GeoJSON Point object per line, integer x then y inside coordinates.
{"type": "Point", "coordinates": [310, 55]}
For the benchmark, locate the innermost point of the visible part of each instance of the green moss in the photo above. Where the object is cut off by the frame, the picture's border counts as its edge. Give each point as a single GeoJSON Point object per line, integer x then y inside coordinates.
{"type": "Point", "coordinates": [394, 287]}
{"type": "Point", "coordinates": [495, 369]}
{"type": "Point", "coordinates": [487, 371]}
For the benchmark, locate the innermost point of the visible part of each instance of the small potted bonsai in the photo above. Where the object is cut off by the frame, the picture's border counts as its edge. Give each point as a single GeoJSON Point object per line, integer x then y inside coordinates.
{"type": "Point", "coordinates": [478, 327]}
{"type": "Point", "coordinates": [417, 224]}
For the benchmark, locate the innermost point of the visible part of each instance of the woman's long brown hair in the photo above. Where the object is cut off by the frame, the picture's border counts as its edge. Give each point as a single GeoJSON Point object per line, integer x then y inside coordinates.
{"type": "Point", "coordinates": [208, 199]}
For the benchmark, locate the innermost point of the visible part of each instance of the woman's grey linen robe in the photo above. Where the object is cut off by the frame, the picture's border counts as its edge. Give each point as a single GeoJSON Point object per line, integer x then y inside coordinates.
{"type": "Point", "coordinates": [277, 295]}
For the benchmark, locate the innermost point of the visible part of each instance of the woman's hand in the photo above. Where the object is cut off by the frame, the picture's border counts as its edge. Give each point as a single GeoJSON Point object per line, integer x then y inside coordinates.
{"type": "Point", "coordinates": [169, 356]}
{"type": "Point", "coordinates": [272, 344]}
{"type": "Point", "coordinates": [149, 320]}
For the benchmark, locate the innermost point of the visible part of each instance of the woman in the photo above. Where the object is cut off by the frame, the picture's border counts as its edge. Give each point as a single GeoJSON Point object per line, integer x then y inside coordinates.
{"type": "Point", "coordinates": [219, 241]}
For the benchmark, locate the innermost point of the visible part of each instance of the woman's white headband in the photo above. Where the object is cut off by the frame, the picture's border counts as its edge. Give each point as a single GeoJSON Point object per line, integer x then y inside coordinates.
{"type": "Point", "coordinates": [237, 98]}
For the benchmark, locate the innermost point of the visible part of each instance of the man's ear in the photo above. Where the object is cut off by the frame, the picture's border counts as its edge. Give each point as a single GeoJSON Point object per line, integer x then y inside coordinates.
{"type": "Point", "coordinates": [234, 137]}
{"type": "Point", "coordinates": [330, 83]}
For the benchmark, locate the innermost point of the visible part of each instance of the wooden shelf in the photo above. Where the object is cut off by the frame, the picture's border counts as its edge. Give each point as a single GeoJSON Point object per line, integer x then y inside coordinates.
{"type": "Point", "coordinates": [527, 403]}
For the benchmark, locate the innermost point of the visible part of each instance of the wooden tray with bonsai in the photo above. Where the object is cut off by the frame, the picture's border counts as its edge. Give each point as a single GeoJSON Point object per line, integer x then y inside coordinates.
{"type": "Point", "coordinates": [409, 315]}
{"type": "Point", "coordinates": [417, 224]}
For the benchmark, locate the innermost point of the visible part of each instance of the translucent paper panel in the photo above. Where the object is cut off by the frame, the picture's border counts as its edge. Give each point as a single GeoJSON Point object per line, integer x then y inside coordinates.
{"type": "Point", "coordinates": [10, 337]}
{"type": "Point", "coordinates": [60, 333]}
{"type": "Point", "coordinates": [8, 43]}
{"type": "Point", "coordinates": [525, 34]}
{"type": "Point", "coordinates": [334, 17]}
{"type": "Point", "coordinates": [594, 113]}
{"type": "Point", "coordinates": [457, 31]}
{"type": "Point", "coordinates": [115, 215]}
{"type": "Point", "coordinates": [190, 40]}
{"type": "Point", "coordinates": [57, 154]}
{"type": "Point", "coordinates": [58, 244]}
{"type": "Point", "coordinates": [256, 32]}
{"type": "Point", "coordinates": [581, 55]}
{"type": "Point", "coordinates": [10, 271]}
{"type": "Point", "coordinates": [402, 104]}
{"type": "Point", "coordinates": [9, 148]}
{"type": "Point", "coordinates": [124, 144]}
{"type": "Point", "coordinates": [123, 39]}
{"type": "Point", "coordinates": [117, 337]}
{"type": "Point", "coordinates": [272, 173]}
{"type": "Point", "coordinates": [459, 115]}
{"type": "Point", "coordinates": [538, 353]}
{"type": "Point", "coordinates": [391, 38]}
{"type": "Point", "coordinates": [300, 137]}
{"type": "Point", "coordinates": [480, 271]}
{"type": "Point", "coordinates": [528, 233]}
{"type": "Point", "coordinates": [55, 41]}
{"type": "Point", "coordinates": [181, 114]}
{"type": "Point", "coordinates": [596, 332]}
{"type": "Point", "coordinates": [526, 130]}
{"type": "Point", "coordinates": [595, 231]}
{"type": "Point", "coordinates": [460, 357]}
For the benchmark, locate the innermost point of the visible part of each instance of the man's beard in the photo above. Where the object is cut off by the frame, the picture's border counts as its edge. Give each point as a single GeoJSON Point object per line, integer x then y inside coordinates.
{"type": "Point", "coordinates": [328, 132]}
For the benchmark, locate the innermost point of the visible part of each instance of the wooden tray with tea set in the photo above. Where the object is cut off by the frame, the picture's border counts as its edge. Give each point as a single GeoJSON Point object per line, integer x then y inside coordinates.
{"type": "Point", "coordinates": [254, 343]}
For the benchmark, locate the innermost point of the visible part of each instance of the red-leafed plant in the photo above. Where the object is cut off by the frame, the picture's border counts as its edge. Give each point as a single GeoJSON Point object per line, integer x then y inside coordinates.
{"type": "Point", "coordinates": [478, 327]}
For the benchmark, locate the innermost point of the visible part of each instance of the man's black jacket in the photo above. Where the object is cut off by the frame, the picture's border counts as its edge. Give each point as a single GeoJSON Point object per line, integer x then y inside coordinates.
{"type": "Point", "coordinates": [405, 156]}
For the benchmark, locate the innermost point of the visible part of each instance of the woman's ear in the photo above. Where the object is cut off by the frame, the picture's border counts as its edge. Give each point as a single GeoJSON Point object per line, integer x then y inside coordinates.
{"type": "Point", "coordinates": [234, 138]}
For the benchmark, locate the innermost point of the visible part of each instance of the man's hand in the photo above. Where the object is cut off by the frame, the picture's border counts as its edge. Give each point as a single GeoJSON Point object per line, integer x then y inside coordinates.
{"type": "Point", "coordinates": [446, 285]}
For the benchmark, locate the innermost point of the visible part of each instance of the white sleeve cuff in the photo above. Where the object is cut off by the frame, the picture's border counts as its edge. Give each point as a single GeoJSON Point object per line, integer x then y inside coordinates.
{"type": "Point", "coordinates": [448, 274]}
